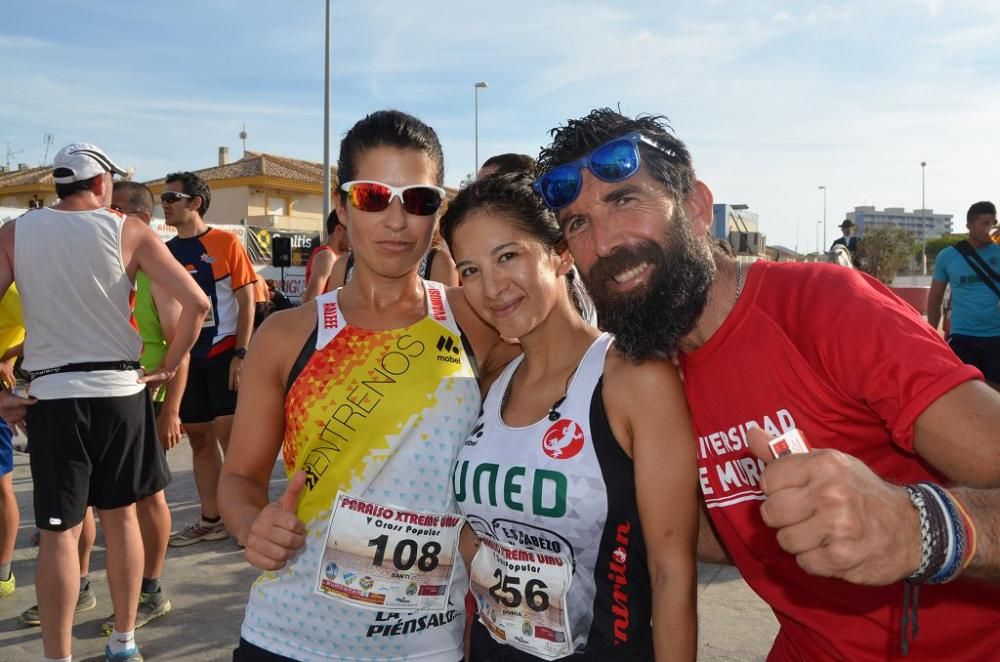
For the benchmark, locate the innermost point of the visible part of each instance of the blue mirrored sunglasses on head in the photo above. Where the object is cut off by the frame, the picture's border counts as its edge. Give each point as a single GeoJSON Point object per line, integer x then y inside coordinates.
{"type": "Point", "coordinates": [613, 161]}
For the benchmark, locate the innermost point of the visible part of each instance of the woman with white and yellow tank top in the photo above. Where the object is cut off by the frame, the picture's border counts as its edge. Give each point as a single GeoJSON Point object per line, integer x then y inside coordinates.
{"type": "Point", "coordinates": [368, 392]}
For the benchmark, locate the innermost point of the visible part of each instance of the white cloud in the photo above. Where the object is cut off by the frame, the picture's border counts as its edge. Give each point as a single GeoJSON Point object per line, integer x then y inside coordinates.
{"type": "Point", "coordinates": [20, 41]}
{"type": "Point", "coordinates": [826, 14]}
{"type": "Point", "coordinates": [966, 40]}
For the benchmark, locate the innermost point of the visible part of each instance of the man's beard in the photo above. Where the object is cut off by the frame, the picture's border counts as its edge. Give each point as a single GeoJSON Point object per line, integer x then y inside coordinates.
{"type": "Point", "coordinates": [652, 319]}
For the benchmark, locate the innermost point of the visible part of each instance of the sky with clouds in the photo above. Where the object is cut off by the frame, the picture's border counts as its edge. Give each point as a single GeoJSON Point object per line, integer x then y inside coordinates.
{"type": "Point", "coordinates": [774, 99]}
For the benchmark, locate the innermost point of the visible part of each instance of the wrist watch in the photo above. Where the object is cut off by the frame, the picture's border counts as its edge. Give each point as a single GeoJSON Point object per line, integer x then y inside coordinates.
{"type": "Point", "coordinates": [241, 352]}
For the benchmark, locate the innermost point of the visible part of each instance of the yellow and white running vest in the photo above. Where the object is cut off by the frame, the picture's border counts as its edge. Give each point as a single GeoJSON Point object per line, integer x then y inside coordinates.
{"type": "Point", "coordinates": [378, 416]}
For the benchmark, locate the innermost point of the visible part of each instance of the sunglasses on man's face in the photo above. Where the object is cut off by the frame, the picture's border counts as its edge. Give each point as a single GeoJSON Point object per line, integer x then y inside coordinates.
{"type": "Point", "coordinates": [417, 199]}
{"type": "Point", "coordinates": [614, 161]}
{"type": "Point", "coordinates": [170, 197]}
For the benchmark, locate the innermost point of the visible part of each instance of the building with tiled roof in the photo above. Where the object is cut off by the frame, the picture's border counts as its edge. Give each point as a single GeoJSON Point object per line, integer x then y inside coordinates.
{"type": "Point", "coordinates": [262, 190]}
{"type": "Point", "coordinates": [265, 192]}
{"type": "Point", "coordinates": [24, 186]}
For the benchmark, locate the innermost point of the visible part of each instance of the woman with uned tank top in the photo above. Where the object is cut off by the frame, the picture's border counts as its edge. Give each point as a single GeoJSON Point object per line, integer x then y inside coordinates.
{"type": "Point", "coordinates": [368, 393]}
{"type": "Point", "coordinates": [579, 478]}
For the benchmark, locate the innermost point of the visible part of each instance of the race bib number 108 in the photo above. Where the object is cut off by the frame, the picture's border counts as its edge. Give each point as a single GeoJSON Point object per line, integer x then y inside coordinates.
{"type": "Point", "coordinates": [387, 558]}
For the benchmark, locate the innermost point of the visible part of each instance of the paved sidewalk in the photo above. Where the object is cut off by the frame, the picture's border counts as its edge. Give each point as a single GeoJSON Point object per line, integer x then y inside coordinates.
{"type": "Point", "coordinates": [208, 585]}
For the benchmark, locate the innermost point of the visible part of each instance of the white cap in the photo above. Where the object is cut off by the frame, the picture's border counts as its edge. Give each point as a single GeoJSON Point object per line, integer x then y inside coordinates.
{"type": "Point", "coordinates": [81, 161]}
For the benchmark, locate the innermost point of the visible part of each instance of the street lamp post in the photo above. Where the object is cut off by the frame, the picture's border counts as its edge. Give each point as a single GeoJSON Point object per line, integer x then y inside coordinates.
{"type": "Point", "coordinates": [819, 224]}
{"type": "Point", "coordinates": [481, 84]}
{"type": "Point", "coordinates": [326, 128]}
{"type": "Point", "coordinates": [823, 188]}
{"type": "Point", "coordinates": [923, 216]}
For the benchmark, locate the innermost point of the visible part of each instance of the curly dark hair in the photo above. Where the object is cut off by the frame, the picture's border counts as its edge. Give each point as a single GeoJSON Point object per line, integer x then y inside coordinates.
{"type": "Point", "coordinates": [194, 186]}
{"type": "Point", "coordinates": [670, 166]}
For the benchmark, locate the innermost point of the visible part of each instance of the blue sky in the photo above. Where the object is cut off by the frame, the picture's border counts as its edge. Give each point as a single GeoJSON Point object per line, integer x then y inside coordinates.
{"type": "Point", "coordinates": [773, 98]}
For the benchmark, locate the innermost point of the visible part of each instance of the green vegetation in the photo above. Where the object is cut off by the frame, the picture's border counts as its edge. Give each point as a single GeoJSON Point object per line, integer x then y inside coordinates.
{"type": "Point", "coordinates": [935, 246]}
{"type": "Point", "coordinates": [884, 251]}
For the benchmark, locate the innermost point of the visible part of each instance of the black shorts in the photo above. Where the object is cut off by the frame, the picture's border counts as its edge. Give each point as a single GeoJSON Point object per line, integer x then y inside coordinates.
{"type": "Point", "coordinates": [207, 395]}
{"type": "Point", "coordinates": [247, 652]}
{"type": "Point", "coordinates": [982, 352]}
{"type": "Point", "coordinates": [483, 648]}
{"type": "Point", "coordinates": [100, 452]}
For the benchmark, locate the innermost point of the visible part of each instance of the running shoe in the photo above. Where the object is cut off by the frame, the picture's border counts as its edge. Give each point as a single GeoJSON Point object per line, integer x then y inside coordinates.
{"type": "Point", "coordinates": [198, 532]}
{"type": "Point", "coordinates": [151, 607]}
{"type": "Point", "coordinates": [131, 655]}
{"type": "Point", "coordinates": [84, 601]}
{"type": "Point", "coordinates": [7, 586]}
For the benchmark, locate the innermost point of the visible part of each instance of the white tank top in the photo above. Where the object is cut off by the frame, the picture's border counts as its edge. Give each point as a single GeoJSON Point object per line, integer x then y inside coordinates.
{"type": "Point", "coordinates": [565, 487]}
{"type": "Point", "coordinates": [77, 300]}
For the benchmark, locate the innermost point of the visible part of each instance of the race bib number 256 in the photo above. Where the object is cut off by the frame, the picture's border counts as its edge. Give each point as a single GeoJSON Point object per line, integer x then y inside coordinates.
{"type": "Point", "coordinates": [521, 596]}
{"type": "Point", "coordinates": [382, 557]}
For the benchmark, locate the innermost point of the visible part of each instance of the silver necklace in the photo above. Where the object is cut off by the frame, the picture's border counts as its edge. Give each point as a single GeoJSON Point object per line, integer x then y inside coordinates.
{"type": "Point", "coordinates": [739, 278]}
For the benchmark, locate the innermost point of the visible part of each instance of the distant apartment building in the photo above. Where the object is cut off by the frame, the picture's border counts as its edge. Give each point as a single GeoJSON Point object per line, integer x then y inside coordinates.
{"type": "Point", "coordinates": [923, 223]}
{"type": "Point", "coordinates": [739, 226]}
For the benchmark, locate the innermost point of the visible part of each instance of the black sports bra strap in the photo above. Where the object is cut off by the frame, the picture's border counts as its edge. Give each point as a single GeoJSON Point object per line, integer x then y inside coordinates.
{"type": "Point", "coordinates": [467, 346]}
{"type": "Point", "coordinates": [302, 359]}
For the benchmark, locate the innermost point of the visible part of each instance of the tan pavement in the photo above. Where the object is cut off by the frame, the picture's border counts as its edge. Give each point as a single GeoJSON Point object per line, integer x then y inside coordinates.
{"type": "Point", "coordinates": [207, 583]}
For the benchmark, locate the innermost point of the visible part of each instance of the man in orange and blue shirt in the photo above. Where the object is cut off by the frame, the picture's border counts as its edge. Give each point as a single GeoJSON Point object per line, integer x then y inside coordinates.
{"type": "Point", "coordinates": [221, 266]}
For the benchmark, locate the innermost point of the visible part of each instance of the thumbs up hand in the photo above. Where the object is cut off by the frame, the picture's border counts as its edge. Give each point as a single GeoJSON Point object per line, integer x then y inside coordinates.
{"type": "Point", "coordinates": [277, 533]}
{"type": "Point", "coordinates": [836, 516]}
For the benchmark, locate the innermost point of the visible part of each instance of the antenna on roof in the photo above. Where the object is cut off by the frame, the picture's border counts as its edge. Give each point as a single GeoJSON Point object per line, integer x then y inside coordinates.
{"type": "Point", "coordinates": [47, 141]}
{"type": "Point", "coordinates": [11, 153]}
{"type": "Point", "coordinates": [243, 137]}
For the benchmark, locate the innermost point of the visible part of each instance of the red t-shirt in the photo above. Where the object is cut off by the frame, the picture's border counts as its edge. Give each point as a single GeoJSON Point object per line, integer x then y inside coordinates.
{"type": "Point", "coordinates": [834, 353]}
